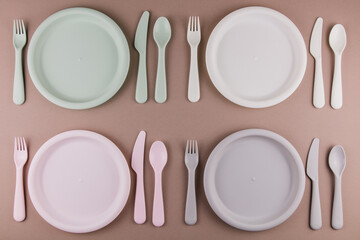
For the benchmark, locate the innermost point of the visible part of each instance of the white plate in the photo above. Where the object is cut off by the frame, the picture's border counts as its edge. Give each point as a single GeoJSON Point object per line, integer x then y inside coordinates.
{"type": "Point", "coordinates": [254, 179]}
{"type": "Point", "coordinates": [79, 181]}
{"type": "Point", "coordinates": [256, 57]}
{"type": "Point", "coordinates": [78, 58]}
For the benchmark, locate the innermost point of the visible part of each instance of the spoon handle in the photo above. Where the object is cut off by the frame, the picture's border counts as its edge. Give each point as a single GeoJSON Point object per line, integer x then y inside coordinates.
{"type": "Point", "coordinates": [336, 92]}
{"type": "Point", "coordinates": [160, 85]}
{"type": "Point", "coordinates": [315, 214]}
{"type": "Point", "coordinates": [158, 217]}
{"type": "Point", "coordinates": [337, 211]}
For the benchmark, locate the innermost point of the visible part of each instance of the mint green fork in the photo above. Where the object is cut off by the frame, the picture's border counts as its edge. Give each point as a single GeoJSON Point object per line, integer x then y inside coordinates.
{"type": "Point", "coordinates": [19, 39]}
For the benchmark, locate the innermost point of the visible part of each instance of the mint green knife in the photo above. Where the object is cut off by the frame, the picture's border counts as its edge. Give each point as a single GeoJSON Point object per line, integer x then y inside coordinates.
{"type": "Point", "coordinates": [141, 94]}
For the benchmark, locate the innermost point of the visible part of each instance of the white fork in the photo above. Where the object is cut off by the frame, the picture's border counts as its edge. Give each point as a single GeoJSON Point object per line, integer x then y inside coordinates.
{"type": "Point", "coordinates": [191, 161]}
{"type": "Point", "coordinates": [193, 38]}
{"type": "Point", "coordinates": [19, 40]}
{"type": "Point", "coordinates": [20, 158]}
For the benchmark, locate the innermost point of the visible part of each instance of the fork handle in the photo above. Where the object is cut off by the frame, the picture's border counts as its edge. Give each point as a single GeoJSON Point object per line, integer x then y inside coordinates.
{"type": "Point", "coordinates": [19, 200]}
{"type": "Point", "coordinates": [19, 89]}
{"type": "Point", "coordinates": [194, 85]}
{"type": "Point", "coordinates": [190, 208]}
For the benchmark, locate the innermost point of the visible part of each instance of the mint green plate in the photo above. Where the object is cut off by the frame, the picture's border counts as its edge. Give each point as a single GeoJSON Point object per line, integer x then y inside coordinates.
{"type": "Point", "coordinates": [78, 58]}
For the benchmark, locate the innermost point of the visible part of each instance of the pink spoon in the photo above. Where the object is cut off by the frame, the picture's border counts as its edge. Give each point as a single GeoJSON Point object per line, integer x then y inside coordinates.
{"type": "Point", "coordinates": [158, 159]}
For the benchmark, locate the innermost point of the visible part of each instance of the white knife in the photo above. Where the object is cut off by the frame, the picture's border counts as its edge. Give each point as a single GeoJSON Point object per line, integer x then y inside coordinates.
{"type": "Point", "coordinates": [312, 172]}
{"type": "Point", "coordinates": [140, 45]}
{"type": "Point", "coordinates": [315, 50]}
{"type": "Point", "coordinates": [137, 164]}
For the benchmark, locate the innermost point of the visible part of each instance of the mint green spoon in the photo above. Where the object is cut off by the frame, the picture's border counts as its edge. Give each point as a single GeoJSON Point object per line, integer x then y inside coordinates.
{"type": "Point", "coordinates": [162, 35]}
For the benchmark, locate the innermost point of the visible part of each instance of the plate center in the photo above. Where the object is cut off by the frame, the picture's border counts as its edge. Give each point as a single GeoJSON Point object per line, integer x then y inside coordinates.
{"type": "Point", "coordinates": [78, 59]}
{"type": "Point", "coordinates": [254, 179]}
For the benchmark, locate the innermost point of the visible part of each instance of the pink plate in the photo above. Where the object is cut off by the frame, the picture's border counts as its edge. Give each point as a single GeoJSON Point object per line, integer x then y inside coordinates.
{"type": "Point", "coordinates": [79, 181]}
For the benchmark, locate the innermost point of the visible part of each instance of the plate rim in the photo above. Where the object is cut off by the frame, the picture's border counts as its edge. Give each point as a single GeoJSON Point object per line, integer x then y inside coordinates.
{"type": "Point", "coordinates": [246, 133]}
{"type": "Point", "coordinates": [243, 101]}
{"type": "Point", "coordinates": [121, 200]}
{"type": "Point", "coordinates": [121, 76]}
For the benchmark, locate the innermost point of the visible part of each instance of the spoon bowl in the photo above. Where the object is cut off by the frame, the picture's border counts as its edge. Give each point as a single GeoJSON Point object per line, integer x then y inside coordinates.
{"type": "Point", "coordinates": [337, 160]}
{"type": "Point", "coordinates": [158, 156]}
{"type": "Point", "coordinates": [162, 32]}
{"type": "Point", "coordinates": [337, 39]}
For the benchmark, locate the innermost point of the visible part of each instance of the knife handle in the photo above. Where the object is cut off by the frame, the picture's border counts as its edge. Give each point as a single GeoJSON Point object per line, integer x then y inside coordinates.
{"type": "Point", "coordinates": [139, 208]}
{"type": "Point", "coordinates": [315, 213]}
{"type": "Point", "coordinates": [141, 94]}
{"type": "Point", "coordinates": [318, 95]}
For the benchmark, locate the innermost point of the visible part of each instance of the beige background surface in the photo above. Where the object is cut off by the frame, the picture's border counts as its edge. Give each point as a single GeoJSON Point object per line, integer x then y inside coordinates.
{"type": "Point", "coordinates": [209, 120]}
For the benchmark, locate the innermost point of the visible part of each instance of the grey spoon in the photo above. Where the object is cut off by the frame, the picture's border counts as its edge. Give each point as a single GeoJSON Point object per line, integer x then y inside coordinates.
{"type": "Point", "coordinates": [337, 162]}
{"type": "Point", "coordinates": [162, 35]}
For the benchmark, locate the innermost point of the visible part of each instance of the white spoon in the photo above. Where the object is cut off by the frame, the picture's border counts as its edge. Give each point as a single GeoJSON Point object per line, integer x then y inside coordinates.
{"type": "Point", "coordinates": [337, 162]}
{"type": "Point", "coordinates": [158, 159]}
{"type": "Point", "coordinates": [337, 40]}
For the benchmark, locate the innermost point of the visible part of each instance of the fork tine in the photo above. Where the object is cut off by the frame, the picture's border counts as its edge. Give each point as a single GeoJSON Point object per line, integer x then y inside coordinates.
{"type": "Point", "coordinates": [192, 23]}
{"type": "Point", "coordinates": [196, 147]}
{"type": "Point", "coordinates": [23, 26]}
{"type": "Point", "coordinates": [198, 23]}
{"type": "Point", "coordinates": [14, 27]}
{"type": "Point", "coordinates": [187, 146]}
{"type": "Point", "coordinates": [189, 25]}
{"type": "Point", "coordinates": [24, 144]}
{"type": "Point", "coordinates": [21, 144]}
{"type": "Point", "coordinates": [17, 27]}
{"type": "Point", "coordinates": [15, 144]}
{"type": "Point", "coordinates": [193, 147]}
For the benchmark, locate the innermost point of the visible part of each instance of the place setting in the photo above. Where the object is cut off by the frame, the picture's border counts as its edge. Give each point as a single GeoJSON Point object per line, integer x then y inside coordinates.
{"type": "Point", "coordinates": [254, 179]}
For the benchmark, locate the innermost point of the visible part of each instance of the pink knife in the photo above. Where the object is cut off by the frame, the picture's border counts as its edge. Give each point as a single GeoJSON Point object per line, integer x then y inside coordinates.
{"type": "Point", "coordinates": [137, 164]}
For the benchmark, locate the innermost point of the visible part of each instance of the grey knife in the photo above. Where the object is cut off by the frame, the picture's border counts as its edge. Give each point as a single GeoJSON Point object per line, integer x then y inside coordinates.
{"type": "Point", "coordinates": [140, 45]}
{"type": "Point", "coordinates": [315, 50]}
{"type": "Point", "coordinates": [312, 172]}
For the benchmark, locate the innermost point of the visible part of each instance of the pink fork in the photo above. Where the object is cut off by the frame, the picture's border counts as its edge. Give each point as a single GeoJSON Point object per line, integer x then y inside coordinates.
{"type": "Point", "coordinates": [20, 158]}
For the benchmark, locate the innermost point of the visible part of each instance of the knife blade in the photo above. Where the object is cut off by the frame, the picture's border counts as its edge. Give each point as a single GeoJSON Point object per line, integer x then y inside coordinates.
{"type": "Point", "coordinates": [140, 45]}
{"type": "Point", "coordinates": [137, 164]}
{"type": "Point", "coordinates": [142, 32]}
{"type": "Point", "coordinates": [315, 40]}
{"type": "Point", "coordinates": [312, 160]}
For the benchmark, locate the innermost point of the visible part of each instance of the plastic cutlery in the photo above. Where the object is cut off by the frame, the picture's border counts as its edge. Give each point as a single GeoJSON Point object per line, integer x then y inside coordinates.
{"type": "Point", "coordinates": [19, 40]}
{"type": "Point", "coordinates": [337, 40]}
{"type": "Point", "coordinates": [20, 158]}
{"type": "Point", "coordinates": [337, 162]}
{"type": "Point", "coordinates": [158, 159]}
{"type": "Point", "coordinates": [162, 35]}
{"type": "Point", "coordinates": [191, 162]}
{"type": "Point", "coordinates": [140, 45]}
{"type": "Point", "coordinates": [193, 38]}
{"type": "Point", "coordinates": [312, 172]}
{"type": "Point", "coordinates": [315, 50]}
{"type": "Point", "coordinates": [137, 164]}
